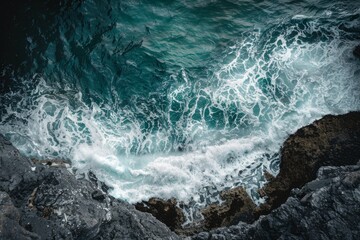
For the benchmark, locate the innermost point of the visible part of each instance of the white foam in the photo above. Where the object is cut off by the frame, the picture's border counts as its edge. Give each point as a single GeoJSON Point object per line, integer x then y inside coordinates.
{"type": "Point", "coordinates": [229, 127]}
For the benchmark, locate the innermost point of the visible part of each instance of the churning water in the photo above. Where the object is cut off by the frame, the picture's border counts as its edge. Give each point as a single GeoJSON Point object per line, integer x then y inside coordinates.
{"type": "Point", "coordinates": [177, 98]}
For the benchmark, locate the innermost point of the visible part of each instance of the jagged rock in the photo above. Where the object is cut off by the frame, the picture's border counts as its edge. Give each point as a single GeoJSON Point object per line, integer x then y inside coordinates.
{"type": "Point", "coordinates": [325, 208]}
{"type": "Point", "coordinates": [42, 202]}
{"type": "Point", "coordinates": [166, 211]}
{"type": "Point", "coordinates": [9, 221]}
{"type": "Point", "coordinates": [50, 203]}
{"type": "Point", "coordinates": [238, 206]}
{"type": "Point", "coordinates": [92, 177]}
{"type": "Point", "coordinates": [52, 162]}
{"type": "Point", "coordinates": [98, 195]}
{"type": "Point", "coordinates": [332, 140]}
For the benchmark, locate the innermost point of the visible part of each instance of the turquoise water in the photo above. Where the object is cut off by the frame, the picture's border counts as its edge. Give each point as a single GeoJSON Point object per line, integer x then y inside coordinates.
{"type": "Point", "coordinates": [176, 98]}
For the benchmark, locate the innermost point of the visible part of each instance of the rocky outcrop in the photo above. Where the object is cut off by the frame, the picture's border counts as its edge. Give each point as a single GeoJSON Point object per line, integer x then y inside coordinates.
{"type": "Point", "coordinates": [166, 211]}
{"type": "Point", "coordinates": [43, 200]}
{"type": "Point", "coordinates": [40, 201]}
{"type": "Point", "coordinates": [237, 206]}
{"type": "Point", "coordinates": [325, 208]}
{"type": "Point", "coordinates": [332, 140]}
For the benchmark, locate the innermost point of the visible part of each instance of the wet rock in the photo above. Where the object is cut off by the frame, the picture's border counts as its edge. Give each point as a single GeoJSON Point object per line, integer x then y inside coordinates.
{"type": "Point", "coordinates": [40, 201]}
{"type": "Point", "coordinates": [9, 221]}
{"type": "Point", "coordinates": [332, 140]}
{"type": "Point", "coordinates": [47, 202]}
{"type": "Point", "coordinates": [166, 211]}
{"type": "Point", "coordinates": [92, 177]}
{"type": "Point", "coordinates": [268, 176]}
{"type": "Point", "coordinates": [98, 195]}
{"type": "Point", "coordinates": [238, 206]}
{"type": "Point", "coordinates": [53, 162]}
{"type": "Point", "coordinates": [330, 211]}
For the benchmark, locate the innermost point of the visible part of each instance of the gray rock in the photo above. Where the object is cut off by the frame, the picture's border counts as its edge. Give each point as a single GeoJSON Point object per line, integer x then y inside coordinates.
{"type": "Point", "coordinates": [331, 140]}
{"type": "Point", "coordinates": [326, 208]}
{"type": "Point", "coordinates": [9, 221]}
{"type": "Point", "coordinates": [45, 202]}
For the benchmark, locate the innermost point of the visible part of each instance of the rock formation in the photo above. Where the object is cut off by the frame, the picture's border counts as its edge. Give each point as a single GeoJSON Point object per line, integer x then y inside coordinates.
{"type": "Point", "coordinates": [316, 195]}
{"type": "Point", "coordinates": [325, 208]}
{"type": "Point", "coordinates": [332, 140]}
{"type": "Point", "coordinates": [166, 211]}
{"type": "Point", "coordinates": [45, 202]}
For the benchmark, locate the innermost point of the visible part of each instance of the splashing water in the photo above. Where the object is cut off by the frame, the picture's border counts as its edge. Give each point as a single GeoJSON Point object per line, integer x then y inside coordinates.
{"type": "Point", "coordinates": [180, 100]}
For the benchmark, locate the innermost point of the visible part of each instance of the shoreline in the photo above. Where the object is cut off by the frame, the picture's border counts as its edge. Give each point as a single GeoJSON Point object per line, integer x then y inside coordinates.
{"type": "Point", "coordinates": [34, 194]}
{"type": "Point", "coordinates": [333, 140]}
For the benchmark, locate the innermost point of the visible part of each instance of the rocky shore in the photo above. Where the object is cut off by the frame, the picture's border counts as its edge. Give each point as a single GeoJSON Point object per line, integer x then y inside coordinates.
{"type": "Point", "coordinates": [316, 195]}
{"type": "Point", "coordinates": [325, 208]}
{"type": "Point", "coordinates": [45, 201]}
{"type": "Point", "coordinates": [330, 141]}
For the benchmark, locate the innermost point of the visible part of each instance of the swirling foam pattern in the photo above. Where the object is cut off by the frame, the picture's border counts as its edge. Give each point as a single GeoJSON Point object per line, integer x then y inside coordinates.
{"type": "Point", "coordinates": [179, 99]}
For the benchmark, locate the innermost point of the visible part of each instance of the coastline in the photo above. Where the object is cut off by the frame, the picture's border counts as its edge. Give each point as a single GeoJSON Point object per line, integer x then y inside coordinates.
{"type": "Point", "coordinates": [318, 164]}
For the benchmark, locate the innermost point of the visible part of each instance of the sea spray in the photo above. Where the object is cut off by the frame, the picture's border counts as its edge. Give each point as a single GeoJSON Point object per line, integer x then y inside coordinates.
{"type": "Point", "coordinates": [167, 109]}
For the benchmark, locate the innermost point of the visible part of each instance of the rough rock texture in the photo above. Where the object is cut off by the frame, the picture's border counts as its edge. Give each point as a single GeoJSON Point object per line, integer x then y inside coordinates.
{"type": "Point", "coordinates": [166, 211]}
{"type": "Point", "coordinates": [326, 208]}
{"type": "Point", "coordinates": [238, 206]}
{"type": "Point", "coordinates": [44, 202]}
{"type": "Point", "coordinates": [9, 220]}
{"type": "Point", "coordinates": [332, 140]}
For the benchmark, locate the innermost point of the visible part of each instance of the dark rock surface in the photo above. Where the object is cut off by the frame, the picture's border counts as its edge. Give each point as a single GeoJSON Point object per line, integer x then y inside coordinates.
{"type": "Point", "coordinates": [40, 201]}
{"type": "Point", "coordinates": [332, 140]}
{"type": "Point", "coordinates": [306, 200]}
{"type": "Point", "coordinates": [166, 211]}
{"type": "Point", "coordinates": [326, 208]}
{"type": "Point", "coordinates": [237, 206]}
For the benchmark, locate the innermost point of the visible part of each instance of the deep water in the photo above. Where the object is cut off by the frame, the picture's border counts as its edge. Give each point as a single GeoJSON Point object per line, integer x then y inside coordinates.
{"type": "Point", "coordinates": [173, 98]}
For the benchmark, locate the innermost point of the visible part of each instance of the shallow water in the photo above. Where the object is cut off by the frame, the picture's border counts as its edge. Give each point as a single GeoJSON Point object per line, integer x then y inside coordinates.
{"type": "Point", "coordinates": [175, 98]}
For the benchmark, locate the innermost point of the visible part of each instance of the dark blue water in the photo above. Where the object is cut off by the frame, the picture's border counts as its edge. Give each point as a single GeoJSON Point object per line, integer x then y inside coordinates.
{"type": "Point", "coordinates": [174, 98]}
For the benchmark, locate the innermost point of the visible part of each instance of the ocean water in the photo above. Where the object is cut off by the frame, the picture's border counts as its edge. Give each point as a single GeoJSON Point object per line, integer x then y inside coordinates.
{"type": "Point", "coordinates": [174, 98]}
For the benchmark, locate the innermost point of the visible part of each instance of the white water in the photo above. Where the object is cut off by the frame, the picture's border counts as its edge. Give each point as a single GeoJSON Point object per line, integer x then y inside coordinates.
{"type": "Point", "coordinates": [306, 81]}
